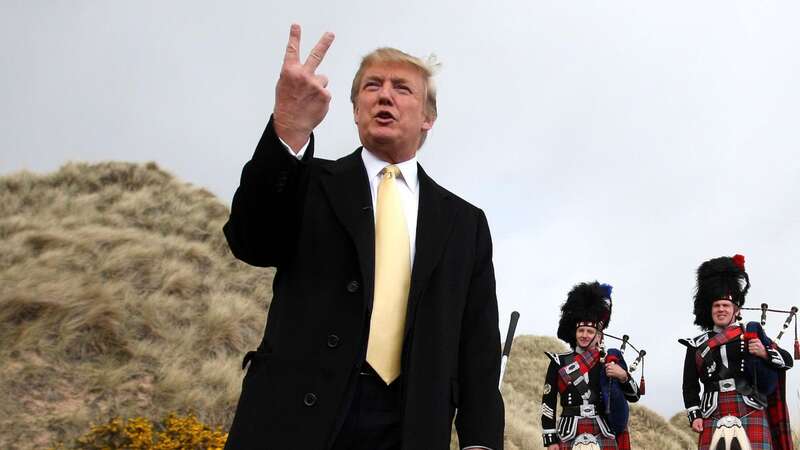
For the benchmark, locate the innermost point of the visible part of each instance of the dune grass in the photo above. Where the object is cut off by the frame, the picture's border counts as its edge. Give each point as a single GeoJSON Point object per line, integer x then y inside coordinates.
{"type": "Point", "coordinates": [118, 297]}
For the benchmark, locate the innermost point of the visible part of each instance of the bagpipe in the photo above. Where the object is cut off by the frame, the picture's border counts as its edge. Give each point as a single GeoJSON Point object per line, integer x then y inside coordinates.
{"type": "Point", "coordinates": [763, 377]}
{"type": "Point", "coordinates": [606, 356]}
{"type": "Point", "coordinates": [611, 392]}
{"type": "Point", "coordinates": [791, 317]}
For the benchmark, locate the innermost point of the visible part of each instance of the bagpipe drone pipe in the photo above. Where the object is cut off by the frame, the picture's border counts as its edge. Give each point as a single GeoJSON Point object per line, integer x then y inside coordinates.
{"type": "Point", "coordinates": [617, 410]}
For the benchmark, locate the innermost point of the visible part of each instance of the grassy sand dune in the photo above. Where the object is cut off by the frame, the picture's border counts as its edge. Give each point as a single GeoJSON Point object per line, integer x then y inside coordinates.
{"type": "Point", "coordinates": [118, 296]}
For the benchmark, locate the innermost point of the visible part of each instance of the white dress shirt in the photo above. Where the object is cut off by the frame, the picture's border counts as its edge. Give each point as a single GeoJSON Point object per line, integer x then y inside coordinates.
{"type": "Point", "coordinates": [408, 184]}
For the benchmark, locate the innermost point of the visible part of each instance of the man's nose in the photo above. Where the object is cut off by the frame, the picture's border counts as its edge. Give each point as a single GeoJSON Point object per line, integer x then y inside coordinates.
{"type": "Point", "coordinates": [385, 93]}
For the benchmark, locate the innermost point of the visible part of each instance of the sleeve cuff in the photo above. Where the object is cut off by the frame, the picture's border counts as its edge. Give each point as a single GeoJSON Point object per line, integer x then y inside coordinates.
{"type": "Point", "coordinates": [693, 413]}
{"type": "Point", "coordinates": [775, 358]}
{"type": "Point", "coordinates": [298, 155]}
{"type": "Point", "coordinates": [630, 388]}
{"type": "Point", "coordinates": [550, 437]}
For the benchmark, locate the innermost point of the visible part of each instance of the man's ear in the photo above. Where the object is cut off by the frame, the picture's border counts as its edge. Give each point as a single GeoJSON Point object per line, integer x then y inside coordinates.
{"type": "Point", "coordinates": [428, 123]}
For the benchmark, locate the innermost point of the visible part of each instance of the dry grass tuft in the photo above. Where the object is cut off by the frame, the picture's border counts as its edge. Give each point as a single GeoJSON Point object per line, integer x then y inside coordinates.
{"type": "Point", "coordinates": [118, 297]}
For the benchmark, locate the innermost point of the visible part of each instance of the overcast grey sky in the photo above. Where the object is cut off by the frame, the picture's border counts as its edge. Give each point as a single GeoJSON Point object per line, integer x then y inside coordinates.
{"type": "Point", "coordinates": [625, 141]}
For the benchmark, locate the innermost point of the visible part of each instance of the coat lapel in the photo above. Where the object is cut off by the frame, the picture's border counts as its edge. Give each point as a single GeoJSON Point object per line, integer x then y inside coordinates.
{"type": "Point", "coordinates": [435, 219]}
{"type": "Point", "coordinates": [347, 187]}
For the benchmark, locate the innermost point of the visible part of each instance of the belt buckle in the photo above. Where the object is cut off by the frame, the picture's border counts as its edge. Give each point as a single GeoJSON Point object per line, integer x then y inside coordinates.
{"type": "Point", "coordinates": [727, 385]}
{"type": "Point", "coordinates": [588, 410]}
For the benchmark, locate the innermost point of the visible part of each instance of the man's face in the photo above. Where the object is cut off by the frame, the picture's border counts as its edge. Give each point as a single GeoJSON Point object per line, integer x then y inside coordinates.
{"type": "Point", "coordinates": [390, 107]}
{"type": "Point", "coordinates": [723, 312]}
{"type": "Point", "coordinates": [585, 335]}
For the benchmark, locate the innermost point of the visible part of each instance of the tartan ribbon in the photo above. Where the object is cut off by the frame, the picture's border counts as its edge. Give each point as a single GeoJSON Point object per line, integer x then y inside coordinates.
{"type": "Point", "coordinates": [778, 416]}
{"type": "Point", "coordinates": [573, 373]}
{"type": "Point", "coordinates": [721, 338]}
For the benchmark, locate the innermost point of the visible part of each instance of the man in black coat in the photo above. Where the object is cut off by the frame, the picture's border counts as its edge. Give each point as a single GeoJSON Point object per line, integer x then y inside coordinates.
{"type": "Point", "coordinates": [315, 382]}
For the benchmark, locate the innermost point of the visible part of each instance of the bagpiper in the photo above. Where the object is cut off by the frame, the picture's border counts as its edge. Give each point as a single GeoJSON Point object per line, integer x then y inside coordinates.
{"type": "Point", "coordinates": [585, 378]}
{"type": "Point", "coordinates": [741, 370]}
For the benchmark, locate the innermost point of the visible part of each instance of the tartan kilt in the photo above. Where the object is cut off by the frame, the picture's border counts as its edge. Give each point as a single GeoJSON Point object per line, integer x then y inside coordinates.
{"type": "Point", "coordinates": [586, 425]}
{"type": "Point", "coordinates": [753, 420]}
{"type": "Point", "coordinates": [624, 440]}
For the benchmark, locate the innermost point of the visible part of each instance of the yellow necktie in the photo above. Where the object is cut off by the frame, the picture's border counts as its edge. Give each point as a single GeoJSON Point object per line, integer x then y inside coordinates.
{"type": "Point", "coordinates": [392, 280]}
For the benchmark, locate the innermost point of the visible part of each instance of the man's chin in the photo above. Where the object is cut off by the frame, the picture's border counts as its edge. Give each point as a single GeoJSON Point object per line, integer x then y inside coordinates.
{"type": "Point", "coordinates": [381, 137]}
{"type": "Point", "coordinates": [384, 133]}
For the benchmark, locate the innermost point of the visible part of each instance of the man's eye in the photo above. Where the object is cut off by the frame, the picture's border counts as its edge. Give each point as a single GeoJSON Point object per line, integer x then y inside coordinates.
{"type": "Point", "coordinates": [404, 89]}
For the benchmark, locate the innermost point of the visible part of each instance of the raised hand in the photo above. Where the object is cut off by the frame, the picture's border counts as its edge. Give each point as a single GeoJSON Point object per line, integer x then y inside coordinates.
{"type": "Point", "coordinates": [301, 96]}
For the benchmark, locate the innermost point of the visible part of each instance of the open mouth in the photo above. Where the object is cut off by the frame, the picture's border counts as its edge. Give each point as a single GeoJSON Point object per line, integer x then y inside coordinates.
{"type": "Point", "coordinates": [384, 117]}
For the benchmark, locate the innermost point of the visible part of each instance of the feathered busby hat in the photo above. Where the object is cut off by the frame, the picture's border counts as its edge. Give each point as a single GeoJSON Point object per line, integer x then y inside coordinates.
{"type": "Point", "coordinates": [588, 304]}
{"type": "Point", "coordinates": [719, 278]}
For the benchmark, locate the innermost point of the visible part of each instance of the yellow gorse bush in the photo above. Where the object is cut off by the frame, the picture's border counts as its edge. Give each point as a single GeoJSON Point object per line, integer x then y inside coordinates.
{"type": "Point", "coordinates": [173, 433]}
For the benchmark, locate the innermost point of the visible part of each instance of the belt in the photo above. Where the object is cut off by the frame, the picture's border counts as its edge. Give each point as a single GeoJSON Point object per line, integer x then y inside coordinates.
{"type": "Point", "coordinates": [589, 410]}
{"type": "Point", "coordinates": [725, 385]}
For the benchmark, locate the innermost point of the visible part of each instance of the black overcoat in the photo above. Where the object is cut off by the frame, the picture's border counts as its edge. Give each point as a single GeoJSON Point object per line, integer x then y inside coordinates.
{"type": "Point", "coordinates": [312, 220]}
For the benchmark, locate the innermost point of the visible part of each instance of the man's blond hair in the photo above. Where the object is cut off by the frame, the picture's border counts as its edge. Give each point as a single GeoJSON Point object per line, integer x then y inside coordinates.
{"type": "Point", "coordinates": [388, 55]}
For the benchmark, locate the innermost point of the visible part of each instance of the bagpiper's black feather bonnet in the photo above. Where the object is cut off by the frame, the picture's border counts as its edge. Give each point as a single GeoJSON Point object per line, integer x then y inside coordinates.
{"type": "Point", "coordinates": [588, 304]}
{"type": "Point", "coordinates": [717, 279]}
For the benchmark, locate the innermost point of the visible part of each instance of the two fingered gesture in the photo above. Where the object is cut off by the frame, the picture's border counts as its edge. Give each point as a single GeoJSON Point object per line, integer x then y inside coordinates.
{"type": "Point", "coordinates": [301, 96]}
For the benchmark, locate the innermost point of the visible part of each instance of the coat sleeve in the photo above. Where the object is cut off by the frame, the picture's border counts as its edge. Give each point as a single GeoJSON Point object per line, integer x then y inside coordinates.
{"type": "Point", "coordinates": [691, 386]}
{"type": "Point", "coordinates": [480, 419]}
{"type": "Point", "coordinates": [549, 398]}
{"type": "Point", "coordinates": [265, 213]}
{"type": "Point", "coordinates": [629, 388]}
{"type": "Point", "coordinates": [778, 358]}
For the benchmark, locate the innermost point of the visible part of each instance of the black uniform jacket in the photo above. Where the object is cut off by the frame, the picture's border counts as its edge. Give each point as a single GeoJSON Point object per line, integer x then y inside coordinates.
{"type": "Point", "coordinates": [730, 361]}
{"type": "Point", "coordinates": [312, 220]}
{"type": "Point", "coordinates": [554, 431]}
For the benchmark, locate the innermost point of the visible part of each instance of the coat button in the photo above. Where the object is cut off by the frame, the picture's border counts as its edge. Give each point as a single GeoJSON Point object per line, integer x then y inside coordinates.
{"type": "Point", "coordinates": [310, 399]}
{"type": "Point", "coordinates": [333, 341]}
{"type": "Point", "coordinates": [352, 286]}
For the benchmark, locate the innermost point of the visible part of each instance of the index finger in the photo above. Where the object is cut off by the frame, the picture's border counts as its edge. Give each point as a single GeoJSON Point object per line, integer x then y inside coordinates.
{"type": "Point", "coordinates": [318, 52]}
{"type": "Point", "coordinates": [293, 46]}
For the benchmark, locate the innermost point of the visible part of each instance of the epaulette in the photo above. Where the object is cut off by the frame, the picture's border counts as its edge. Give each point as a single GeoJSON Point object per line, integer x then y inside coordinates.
{"type": "Point", "coordinates": [696, 341]}
{"type": "Point", "coordinates": [556, 357]}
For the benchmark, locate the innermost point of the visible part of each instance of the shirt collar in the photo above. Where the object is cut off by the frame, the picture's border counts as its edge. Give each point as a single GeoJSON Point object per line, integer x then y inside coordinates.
{"type": "Point", "coordinates": [408, 169]}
